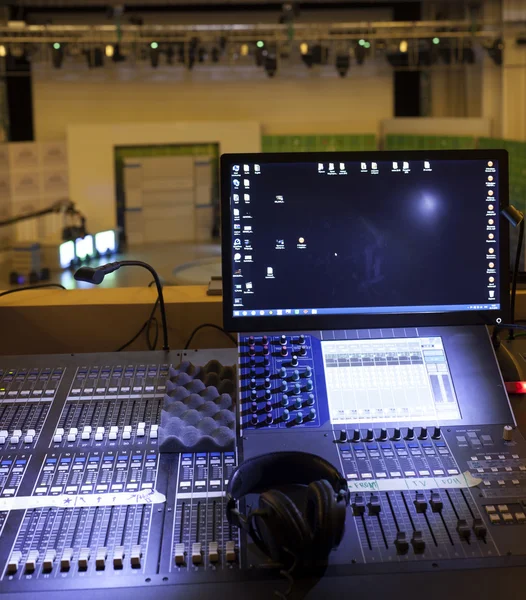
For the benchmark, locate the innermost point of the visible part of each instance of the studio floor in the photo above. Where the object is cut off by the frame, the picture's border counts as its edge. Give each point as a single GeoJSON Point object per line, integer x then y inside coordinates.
{"type": "Point", "coordinates": [176, 263]}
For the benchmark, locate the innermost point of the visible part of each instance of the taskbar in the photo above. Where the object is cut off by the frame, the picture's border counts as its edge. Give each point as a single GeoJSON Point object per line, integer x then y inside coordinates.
{"type": "Point", "coordinates": [290, 312]}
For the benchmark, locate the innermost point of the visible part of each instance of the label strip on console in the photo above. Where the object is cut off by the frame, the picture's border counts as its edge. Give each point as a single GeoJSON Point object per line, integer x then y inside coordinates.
{"type": "Point", "coordinates": [83, 500]}
{"type": "Point", "coordinates": [463, 480]}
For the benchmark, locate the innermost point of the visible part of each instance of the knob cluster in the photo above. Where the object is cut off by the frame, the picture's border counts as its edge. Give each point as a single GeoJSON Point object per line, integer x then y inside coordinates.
{"type": "Point", "coordinates": [383, 435]}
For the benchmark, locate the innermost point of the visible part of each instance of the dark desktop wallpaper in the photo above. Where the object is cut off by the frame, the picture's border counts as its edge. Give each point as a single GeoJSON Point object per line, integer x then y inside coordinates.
{"type": "Point", "coordinates": [363, 239]}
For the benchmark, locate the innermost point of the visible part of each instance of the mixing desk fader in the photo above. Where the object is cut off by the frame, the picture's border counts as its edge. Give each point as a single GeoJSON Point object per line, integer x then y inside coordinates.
{"type": "Point", "coordinates": [103, 498]}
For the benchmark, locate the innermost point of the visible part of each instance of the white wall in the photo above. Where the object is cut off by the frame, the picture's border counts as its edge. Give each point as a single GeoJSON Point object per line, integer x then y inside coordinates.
{"type": "Point", "coordinates": [296, 101]}
{"type": "Point", "coordinates": [92, 162]}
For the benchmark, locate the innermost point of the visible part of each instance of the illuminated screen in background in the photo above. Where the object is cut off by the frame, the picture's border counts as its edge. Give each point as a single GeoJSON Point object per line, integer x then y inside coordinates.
{"type": "Point", "coordinates": [66, 254]}
{"type": "Point", "coordinates": [84, 247]}
{"type": "Point", "coordinates": [105, 242]}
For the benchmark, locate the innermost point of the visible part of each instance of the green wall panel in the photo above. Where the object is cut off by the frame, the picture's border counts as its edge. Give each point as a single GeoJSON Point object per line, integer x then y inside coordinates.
{"type": "Point", "coordinates": [428, 142]}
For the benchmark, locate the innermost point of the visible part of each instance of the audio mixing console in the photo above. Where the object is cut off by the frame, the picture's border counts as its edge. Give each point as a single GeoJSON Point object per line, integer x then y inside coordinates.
{"type": "Point", "coordinates": [417, 421]}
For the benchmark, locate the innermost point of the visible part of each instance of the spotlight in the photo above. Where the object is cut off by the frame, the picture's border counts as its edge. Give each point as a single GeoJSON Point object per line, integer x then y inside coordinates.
{"type": "Point", "coordinates": [57, 55]}
{"type": "Point", "coordinates": [271, 65]}
{"type": "Point", "coordinates": [361, 42]}
{"type": "Point", "coordinates": [109, 51]}
{"type": "Point", "coordinates": [495, 51]}
{"type": "Point", "coordinates": [3, 51]}
{"type": "Point", "coordinates": [260, 44]}
{"type": "Point", "coordinates": [403, 46]}
{"type": "Point", "coordinates": [360, 53]}
{"type": "Point", "coordinates": [304, 48]}
{"type": "Point", "coordinates": [436, 41]}
{"type": "Point", "coordinates": [244, 50]}
{"type": "Point", "coordinates": [154, 54]}
{"type": "Point", "coordinates": [343, 62]}
{"type": "Point", "coordinates": [95, 57]}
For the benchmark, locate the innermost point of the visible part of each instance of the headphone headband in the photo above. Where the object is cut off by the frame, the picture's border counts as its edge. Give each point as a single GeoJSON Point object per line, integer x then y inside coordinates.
{"type": "Point", "coordinates": [260, 473]}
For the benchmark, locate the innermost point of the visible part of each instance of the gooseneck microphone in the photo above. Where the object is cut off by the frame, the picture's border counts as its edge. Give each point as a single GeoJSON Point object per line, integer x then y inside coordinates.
{"type": "Point", "coordinates": [96, 275]}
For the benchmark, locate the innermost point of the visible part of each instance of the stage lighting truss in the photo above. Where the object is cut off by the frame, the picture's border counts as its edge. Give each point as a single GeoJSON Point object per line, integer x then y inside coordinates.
{"type": "Point", "coordinates": [421, 45]}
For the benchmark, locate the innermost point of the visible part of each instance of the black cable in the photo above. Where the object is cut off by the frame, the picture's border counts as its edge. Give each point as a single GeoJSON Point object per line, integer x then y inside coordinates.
{"type": "Point", "coordinates": [145, 327]}
{"type": "Point", "coordinates": [516, 275]}
{"type": "Point", "coordinates": [33, 287]}
{"type": "Point", "coordinates": [231, 337]}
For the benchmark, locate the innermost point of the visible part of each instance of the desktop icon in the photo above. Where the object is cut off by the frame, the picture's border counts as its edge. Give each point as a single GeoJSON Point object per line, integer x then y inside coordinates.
{"type": "Point", "coordinates": [490, 177]}
{"type": "Point", "coordinates": [427, 164]}
{"type": "Point", "coordinates": [257, 169]}
{"type": "Point", "coordinates": [237, 243]}
{"type": "Point", "coordinates": [246, 168]}
{"type": "Point", "coordinates": [491, 265]}
{"type": "Point", "coordinates": [374, 166]}
{"type": "Point", "coordinates": [270, 272]}
{"type": "Point", "coordinates": [253, 313]}
{"type": "Point", "coordinates": [244, 313]}
{"type": "Point", "coordinates": [491, 250]}
{"type": "Point", "coordinates": [320, 167]}
{"type": "Point", "coordinates": [301, 240]}
{"type": "Point", "coordinates": [288, 311]}
{"type": "Point", "coordinates": [342, 166]}
{"type": "Point", "coordinates": [248, 257]}
{"type": "Point", "coordinates": [364, 166]}
{"type": "Point", "coordinates": [236, 313]}
{"type": "Point", "coordinates": [261, 312]}
{"type": "Point", "coordinates": [235, 182]}
{"type": "Point", "coordinates": [492, 293]}
{"type": "Point", "coordinates": [236, 212]}
{"type": "Point", "coordinates": [296, 312]}
{"type": "Point", "coordinates": [395, 165]}
{"type": "Point", "coordinates": [406, 165]}
{"type": "Point", "coordinates": [249, 285]}
{"type": "Point", "coordinates": [237, 272]}
{"type": "Point", "coordinates": [235, 197]}
{"type": "Point", "coordinates": [490, 207]}
{"type": "Point", "coordinates": [279, 312]}
{"type": "Point", "coordinates": [246, 183]}
{"type": "Point", "coordinates": [235, 168]}
{"type": "Point", "coordinates": [237, 256]}
{"type": "Point", "coordinates": [490, 192]}
{"type": "Point", "coordinates": [246, 198]}
{"type": "Point", "coordinates": [331, 166]}
{"type": "Point", "coordinates": [314, 311]}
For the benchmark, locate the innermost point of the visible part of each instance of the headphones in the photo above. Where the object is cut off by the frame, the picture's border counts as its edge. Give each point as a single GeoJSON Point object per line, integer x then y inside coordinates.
{"type": "Point", "coordinates": [278, 527]}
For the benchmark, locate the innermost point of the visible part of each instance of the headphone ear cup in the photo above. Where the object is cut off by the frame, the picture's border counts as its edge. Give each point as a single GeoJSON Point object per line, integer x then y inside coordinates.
{"type": "Point", "coordinates": [325, 516]}
{"type": "Point", "coordinates": [283, 526]}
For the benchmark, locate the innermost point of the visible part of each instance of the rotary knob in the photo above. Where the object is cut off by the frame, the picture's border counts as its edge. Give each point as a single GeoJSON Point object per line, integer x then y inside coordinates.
{"type": "Point", "coordinates": [253, 383]}
{"type": "Point", "coordinates": [268, 394]}
{"type": "Point", "coordinates": [283, 340]}
{"type": "Point", "coordinates": [284, 386]}
{"type": "Point", "coordinates": [254, 407]}
{"type": "Point", "coordinates": [251, 340]}
{"type": "Point", "coordinates": [284, 400]}
{"type": "Point", "coordinates": [283, 372]}
{"type": "Point", "coordinates": [297, 388]}
{"type": "Point", "coordinates": [396, 434]}
{"type": "Point", "coordinates": [266, 383]}
{"type": "Point", "coordinates": [252, 351]}
{"type": "Point", "coordinates": [343, 436]}
{"type": "Point", "coordinates": [269, 419]}
{"type": "Point", "coordinates": [437, 433]}
{"type": "Point", "coordinates": [254, 420]}
{"type": "Point", "coordinates": [295, 375]}
{"type": "Point", "coordinates": [253, 394]}
{"type": "Point", "coordinates": [301, 339]}
{"type": "Point", "coordinates": [383, 435]}
{"type": "Point", "coordinates": [423, 433]}
{"type": "Point", "coordinates": [253, 371]}
{"type": "Point", "coordinates": [308, 372]}
{"type": "Point", "coordinates": [298, 403]}
{"type": "Point", "coordinates": [265, 350]}
{"type": "Point", "coordinates": [284, 351]}
{"type": "Point", "coordinates": [264, 339]}
{"type": "Point", "coordinates": [308, 385]}
{"type": "Point", "coordinates": [356, 435]}
{"type": "Point", "coordinates": [410, 435]}
{"type": "Point", "coordinates": [312, 414]}
{"type": "Point", "coordinates": [268, 405]}
{"type": "Point", "coordinates": [266, 361]}
{"type": "Point", "coordinates": [310, 399]}
{"type": "Point", "coordinates": [303, 350]}
{"type": "Point", "coordinates": [294, 360]}
{"type": "Point", "coordinates": [299, 417]}
{"type": "Point", "coordinates": [369, 437]}
{"type": "Point", "coordinates": [285, 415]}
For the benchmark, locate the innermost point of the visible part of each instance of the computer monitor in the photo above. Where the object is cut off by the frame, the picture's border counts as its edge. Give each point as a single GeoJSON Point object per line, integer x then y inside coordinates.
{"type": "Point", "coordinates": [364, 239]}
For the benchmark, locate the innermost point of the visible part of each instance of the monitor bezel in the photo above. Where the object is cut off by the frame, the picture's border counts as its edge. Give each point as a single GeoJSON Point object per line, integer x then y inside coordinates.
{"type": "Point", "coordinates": [361, 321]}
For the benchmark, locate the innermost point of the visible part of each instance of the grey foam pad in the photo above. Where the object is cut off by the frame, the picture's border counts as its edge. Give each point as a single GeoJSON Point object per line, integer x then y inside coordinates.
{"type": "Point", "coordinates": [198, 412]}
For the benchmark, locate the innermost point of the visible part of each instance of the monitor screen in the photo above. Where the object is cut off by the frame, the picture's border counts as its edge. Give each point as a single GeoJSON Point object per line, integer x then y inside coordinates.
{"type": "Point", "coordinates": [361, 239]}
